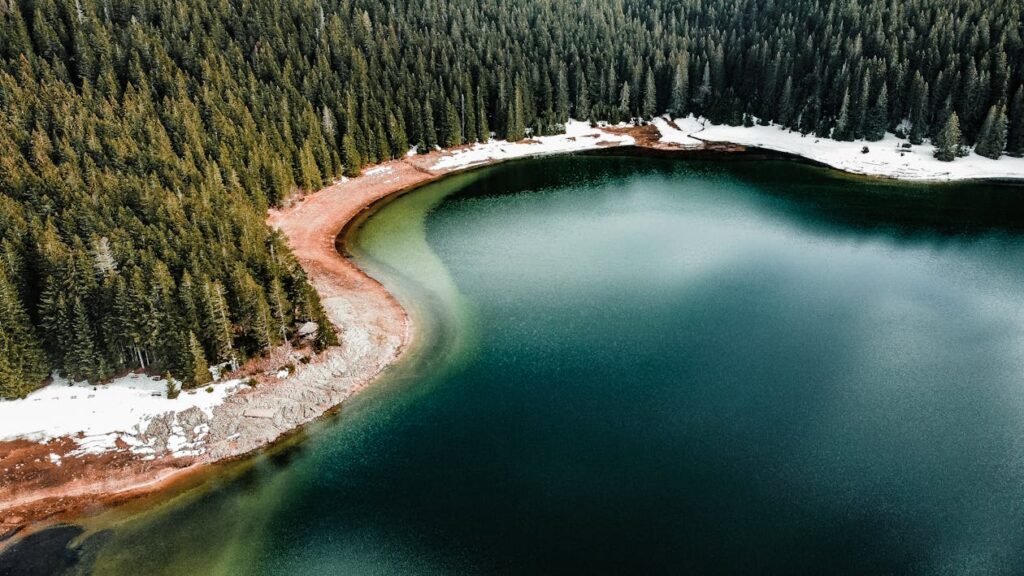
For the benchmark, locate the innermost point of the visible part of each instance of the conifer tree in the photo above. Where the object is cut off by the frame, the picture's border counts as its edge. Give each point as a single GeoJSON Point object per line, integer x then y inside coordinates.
{"type": "Point", "coordinates": [80, 358]}
{"type": "Point", "coordinates": [919, 97]}
{"type": "Point", "coordinates": [624, 100]}
{"type": "Point", "coordinates": [197, 370]}
{"type": "Point", "coordinates": [516, 129]}
{"type": "Point", "coordinates": [279, 311]}
{"type": "Point", "coordinates": [650, 105]}
{"type": "Point", "coordinates": [452, 128]}
{"type": "Point", "coordinates": [429, 133]}
{"type": "Point", "coordinates": [992, 137]}
{"type": "Point", "coordinates": [786, 104]}
{"type": "Point", "coordinates": [353, 160]}
{"type": "Point", "coordinates": [482, 125]}
{"type": "Point", "coordinates": [562, 97]}
{"type": "Point", "coordinates": [948, 139]}
{"type": "Point", "coordinates": [842, 130]}
{"type": "Point", "coordinates": [469, 112]}
{"type": "Point", "coordinates": [680, 90]}
{"type": "Point", "coordinates": [582, 109]}
{"type": "Point", "coordinates": [22, 362]}
{"type": "Point", "coordinates": [218, 324]}
{"type": "Point", "coordinates": [705, 89]}
{"type": "Point", "coordinates": [1015, 124]}
{"type": "Point", "coordinates": [877, 120]}
{"type": "Point", "coordinates": [12, 381]}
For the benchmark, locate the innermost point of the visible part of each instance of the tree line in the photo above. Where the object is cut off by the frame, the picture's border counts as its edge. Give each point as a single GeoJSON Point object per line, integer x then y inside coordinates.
{"type": "Point", "coordinates": [141, 141]}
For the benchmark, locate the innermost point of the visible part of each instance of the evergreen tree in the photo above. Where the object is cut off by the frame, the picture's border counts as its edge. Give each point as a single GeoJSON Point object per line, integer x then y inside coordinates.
{"type": "Point", "coordinates": [1015, 124]}
{"type": "Point", "coordinates": [399, 140]}
{"type": "Point", "coordinates": [429, 133]}
{"type": "Point", "coordinates": [624, 100]}
{"type": "Point", "coordinates": [842, 130]}
{"type": "Point", "coordinates": [279, 310]}
{"type": "Point", "coordinates": [197, 370]}
{"type": "Point", "coordinates": [992, 137]}
{"type": "Point", "coordinates": [786, 104]}
{"type": "Point", "coordinates": [562, 97]}
{"type": "Point", "coordinates": [482, 125]}
{"type": "Point", "coordinates": [877, 120]}
{"type": "Point", "coordinates": [650, 104]}
{"type": "Point", "coordinates": [516, 129]}
{"type": "Point", "coordinates": [948, 140]}
{"type": "Point", "coordinates": [218, 324]}
{"type": "Point", "coordinates": [353, 160]}
{"type": "Point", "coordinates": [680, 90]}
{"type": "Point", "coordinates": [582, 109]}
{"type": "Point", "coordinates": [705, 89]}
{"type": "Point", "coordinates": [452, 126]}
{"type": "Point", "coordinates": [80, 358]}
{"type": "Point", "coordinates": [22, 362]}
{"type": "Point", "coordinates": [919, 97]}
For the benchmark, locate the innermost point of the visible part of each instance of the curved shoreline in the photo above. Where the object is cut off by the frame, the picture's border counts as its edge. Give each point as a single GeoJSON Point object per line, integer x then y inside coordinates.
{"type": "Point", "coordinates": [375, 329]}
{"type": "Point", "coordinates": [317, 227]}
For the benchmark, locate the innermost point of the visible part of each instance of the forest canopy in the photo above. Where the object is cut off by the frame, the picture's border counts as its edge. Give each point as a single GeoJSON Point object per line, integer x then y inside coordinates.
{"type": "Point", "coordinates": [141, 141]}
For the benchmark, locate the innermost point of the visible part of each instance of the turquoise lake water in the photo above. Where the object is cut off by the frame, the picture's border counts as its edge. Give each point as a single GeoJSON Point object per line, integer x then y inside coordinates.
{"type": "Point", "coordinates": [646, 366]}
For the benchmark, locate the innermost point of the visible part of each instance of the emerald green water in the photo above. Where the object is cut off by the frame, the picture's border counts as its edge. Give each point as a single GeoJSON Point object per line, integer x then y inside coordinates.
{"type": "Point", "coordinates": [642, 366]}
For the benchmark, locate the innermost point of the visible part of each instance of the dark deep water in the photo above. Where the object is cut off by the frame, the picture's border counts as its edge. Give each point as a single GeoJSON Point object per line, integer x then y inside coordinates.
{"type": "Point", "coordinates": [651, 366]}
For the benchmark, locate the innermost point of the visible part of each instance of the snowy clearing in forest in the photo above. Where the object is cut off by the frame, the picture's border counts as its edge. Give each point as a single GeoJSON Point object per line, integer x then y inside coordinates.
{"type": "Point", "coordinates": [97, 416]}
{"type": "Point", "coordinates": [578, 136]}
{"type": "Point", "coordinates": [887, 157]}
{"type": "Point", "coordinates": [680, 131]}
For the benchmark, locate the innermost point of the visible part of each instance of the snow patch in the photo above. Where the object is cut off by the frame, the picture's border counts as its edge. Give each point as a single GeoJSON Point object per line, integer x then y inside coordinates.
{"type": "Point", "coordinates": [887, 157]}
{"type": "Point", "coordinates": [578, 136]}
{"type": "Point", "coordinates": [679, 132]}
{"type": "Point", "coordinates": [96, 417]}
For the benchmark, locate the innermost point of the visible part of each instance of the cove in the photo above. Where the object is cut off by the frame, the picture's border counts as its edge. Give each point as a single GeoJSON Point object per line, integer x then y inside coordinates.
{"type": "Point", "coordinates": [636, 365]}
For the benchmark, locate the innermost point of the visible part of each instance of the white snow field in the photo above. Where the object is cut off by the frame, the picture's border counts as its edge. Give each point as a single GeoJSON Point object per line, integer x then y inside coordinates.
{"type": "Point", "coordinates": [95, 417]}
{"type": "Point", "coordinates": [578, 136]}
{"type": "Point", "coordinates": [680, 134]}
{"type": "Point", "coordinates": [885, 158]}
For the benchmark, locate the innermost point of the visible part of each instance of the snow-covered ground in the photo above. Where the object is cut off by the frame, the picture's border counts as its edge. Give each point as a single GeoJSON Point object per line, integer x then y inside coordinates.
{"type": "Point", "coordinates": [578, 136]}
{"type": "Point", "coordinates": [96, 417]}
{"type": "Point", "coordinates": [679, 131]}
{"type": "Point", "coordinates": [886, 157]}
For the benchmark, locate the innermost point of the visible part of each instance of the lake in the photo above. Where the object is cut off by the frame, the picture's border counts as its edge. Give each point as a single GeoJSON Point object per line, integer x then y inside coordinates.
{"type": "Point", "coordinates": [637, 365]}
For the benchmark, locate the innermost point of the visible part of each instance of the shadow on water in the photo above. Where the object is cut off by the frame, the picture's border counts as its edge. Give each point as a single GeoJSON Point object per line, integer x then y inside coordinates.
{"type": "Point", "coordinates": [820, 198]}
{"type": "Point", "coordinates": [43, 553]}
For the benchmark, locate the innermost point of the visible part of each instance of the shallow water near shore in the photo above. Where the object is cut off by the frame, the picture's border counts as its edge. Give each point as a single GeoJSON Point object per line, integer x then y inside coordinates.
{"type": "Point", "coordinates": [652, 366]}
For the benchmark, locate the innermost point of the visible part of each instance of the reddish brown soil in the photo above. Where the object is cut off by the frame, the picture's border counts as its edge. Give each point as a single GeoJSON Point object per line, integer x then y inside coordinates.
{"type": "Point", "coordinates": [312, 224]}
{"type": "Point", "coordinates": [33, 488]}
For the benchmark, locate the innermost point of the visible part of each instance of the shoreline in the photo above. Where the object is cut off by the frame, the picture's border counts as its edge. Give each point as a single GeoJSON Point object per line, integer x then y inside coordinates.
{"type": "Point", "coordinates": [375, 329]}
{"type": "Point", "coordinates": [335, 277]}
